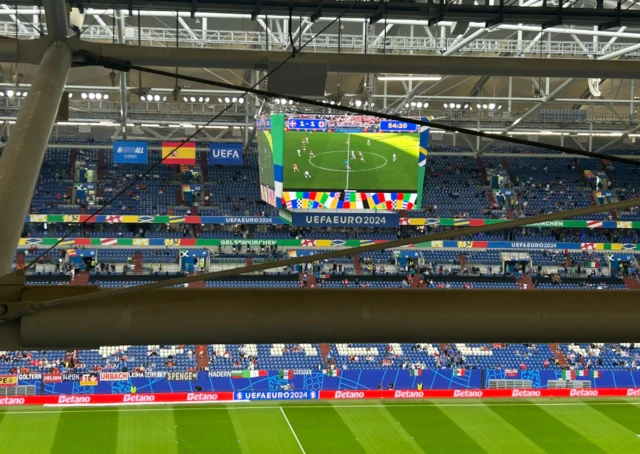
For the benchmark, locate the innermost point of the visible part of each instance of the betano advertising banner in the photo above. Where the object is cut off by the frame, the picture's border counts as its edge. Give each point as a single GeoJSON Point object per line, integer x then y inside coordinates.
{"type": "Point", "coordinates": [225, 153]}
{"type": "Point", "coordinates": [126, 152]}
{"type": "Point", "coordinates": [434, 222]}
{"type": "Point", "coordinates": [400, 394]}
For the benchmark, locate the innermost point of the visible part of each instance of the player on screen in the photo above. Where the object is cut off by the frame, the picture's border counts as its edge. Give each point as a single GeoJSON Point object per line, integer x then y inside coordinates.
{"type": "Point", "coordinates": [298, 153]}
{"type": "Point", "coordinates": [306, 139]}
{"type": "Point", "coordinates": [346, 164]}
{"type": "Point", "coordinates": [307, 174]}
{"type": "Point", "coordinates": [368, 142]}
{"type": "Point", "coordinates": [362, 158]}
{"type": "Point", "coordinates": [295, 168]}
{"type": "Point", "coordinates": [310, 153]}
{"type": "Point", "coordinates": [304, 148]}
{"type": "Point", "coordinates": [394, 157]}
{"type": "Point", "coordinates": [353, 155]}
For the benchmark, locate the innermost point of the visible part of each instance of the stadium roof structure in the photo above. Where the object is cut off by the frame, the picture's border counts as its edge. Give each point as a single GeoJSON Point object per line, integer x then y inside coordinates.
{"type": "Point", "coordinates": [82, 317]}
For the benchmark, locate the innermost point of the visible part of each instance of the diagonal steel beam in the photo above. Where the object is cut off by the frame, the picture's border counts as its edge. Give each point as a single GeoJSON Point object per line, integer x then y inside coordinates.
{"type": "Point", "coordinates": [619, 139]}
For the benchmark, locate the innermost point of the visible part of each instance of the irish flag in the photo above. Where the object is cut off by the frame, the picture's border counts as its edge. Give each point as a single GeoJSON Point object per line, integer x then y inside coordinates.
{"type": "Point", "coordinates": [415, 372]}
{"type": "Point", "coordinates": [596, 374]}
{"type": "Point", "coordinates": [568, 374]}
{"type": "Point", "coordinates": [459, 372]}
{"type": "Point", "coordinates": [248, 373]}
{"type": "Point", "coordinates": [332, 372]}
{"type": "Point", "coordinates": [286, 374]}
{"type": "Point", "coordinates": [179, 153]}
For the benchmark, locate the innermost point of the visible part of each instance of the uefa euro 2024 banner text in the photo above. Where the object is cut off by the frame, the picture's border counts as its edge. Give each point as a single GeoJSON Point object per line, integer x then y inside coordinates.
{"type": "Point", "coordinates": [226, 153]}
{"type": "Point", "coordinates": [125, 152]}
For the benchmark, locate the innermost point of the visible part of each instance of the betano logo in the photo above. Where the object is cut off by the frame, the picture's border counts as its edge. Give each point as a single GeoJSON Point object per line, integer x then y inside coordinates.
{"type": "Point", "coordinates": [65, 400]}
{"type": "Point", "coordinates": [349, 395]}
{"type": "Point", "coordinates": [633, 392]}
{"type": "Point", "coordinates": [202, 397]}
{"type": "Point", "coordinates": [583, 393]}
{"type": "Point", "coordinates": [525, 393]}
{"type": "Point", "coordinates": [408, 394]}
{"type": "Point", "coordinates": [466, 393]}
{"type": "Point", "coordinates": [128, 398]}
{"type": "Point", "coordinates": [12, 401]}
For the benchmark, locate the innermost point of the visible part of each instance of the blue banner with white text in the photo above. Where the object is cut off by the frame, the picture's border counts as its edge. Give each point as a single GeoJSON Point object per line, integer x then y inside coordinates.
{"type": "Point", "coordinates": [225, 153]}
{"type": "Point", "coordinates": [346, 220]}
{"type": "Point", "coordinates": [126, 152]}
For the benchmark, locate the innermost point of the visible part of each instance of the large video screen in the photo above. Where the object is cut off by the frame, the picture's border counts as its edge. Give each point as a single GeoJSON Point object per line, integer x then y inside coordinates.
{"type": "Point", "coordinates": [350, 162]}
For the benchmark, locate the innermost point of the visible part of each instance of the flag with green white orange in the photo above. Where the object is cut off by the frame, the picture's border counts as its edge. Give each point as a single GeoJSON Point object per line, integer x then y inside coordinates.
{"type": "Point", "coordinates": [332, 372]}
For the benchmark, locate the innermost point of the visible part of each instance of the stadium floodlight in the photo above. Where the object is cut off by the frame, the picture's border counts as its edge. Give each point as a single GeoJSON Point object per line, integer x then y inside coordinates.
{"type": "Point", "coordinates": [358, 103]}
{"type": "Point", "coordinates": [458, 106]}
{"type": "Point", "coordinates": [492, 106]}
{"type": "Point", "coordinates": [234, 100]}
{"type": "Point", "coordinates": [419, 105]}
{"type": "Point", "coordinates": [291, 102]}
{"type": "Point", "coordinates": [227, 100]}
{"type": "Point", "coordinates": [98, 96]}
{"type": "Point", "coordinates": [446, 106]}
{"type": "Point", "coordinates": [479, 106]}
{"type": "Point", "coordinates": [220, 100]}
{"type": "Point", "coordinates": [156, 98]}
{"type": "Point", "coordinates": [408, 78]}
{"type": "Point", "coordinates": [200, 99]}
{"type": "Point", "coordinates": [185, 99]}
{"type": "Point", "coordinates": [105, 96]}
{"type": "Point", "coordinates": [466, 106]}
{"type": "Point", "coordinates": [500, 107]}
{"type": "Point", "coordinates": [484, 106]}
{"type": "Point", "coordinates": [18, 94]}
{"type": "Point", "coordinates": [207, 99]}
{"type": "Point", "coordinates": [333, 103]}
{"type": "Point", "coordinates": [406, 106]}
{"type": "Point", "coordinates": [241, 100]}
{"type": "Point", "coordinates": [92, 96]}
{"type": "Point", "coordinates": [143, 98]}
{"type": "Point", "coordinates": [70, 95]}
{"type": "Point", "coordinates": [192, 99]}
{"type": "Point", "coordinates": [413, 104]}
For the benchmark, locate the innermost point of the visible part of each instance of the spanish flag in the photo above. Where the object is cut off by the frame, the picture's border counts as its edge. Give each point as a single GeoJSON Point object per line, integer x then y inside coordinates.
{"type": "Point", "coordinates": [179, 153]}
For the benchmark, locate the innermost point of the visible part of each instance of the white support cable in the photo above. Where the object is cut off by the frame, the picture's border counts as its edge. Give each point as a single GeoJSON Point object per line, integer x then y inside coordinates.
{"type": "Point", "coordinates": [188, 29]}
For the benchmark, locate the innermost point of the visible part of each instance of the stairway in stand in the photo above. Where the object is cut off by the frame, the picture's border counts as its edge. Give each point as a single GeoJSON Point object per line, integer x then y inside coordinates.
{"type": "Point", "coordinates": [81, 278]}
{"type": "Point", "coordinates": [197, 284]}
{"type": "Point", "coordinates": [311, 279]}
{"type": "Point", "coordinates": [525, 282]}
{"type": "Point", "coordinates": [631, 283]}
{"type": "Point", "coordinates": [325, 349]}
{"type": "Point", "coordinates": [562, 360]}
{"type": "Point", "coordinates": [202, 357]}
{"type": "Point", "coordinates": [356, 264]}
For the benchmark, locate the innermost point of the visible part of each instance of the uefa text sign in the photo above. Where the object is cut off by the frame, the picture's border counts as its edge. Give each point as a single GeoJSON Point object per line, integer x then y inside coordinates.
{"type": "Point", "coordinates": [125, 152]}
{"type": "Point", "coordinates": [225, 153]}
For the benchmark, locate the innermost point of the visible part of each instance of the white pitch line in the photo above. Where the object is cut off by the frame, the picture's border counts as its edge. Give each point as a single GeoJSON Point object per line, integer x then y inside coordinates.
{"type": "Point", "coordinates": [348, 158]}
{"type": "Point", "coordinates": [261, 407]}
{"type": "Point", "coordinates": [292, 431]}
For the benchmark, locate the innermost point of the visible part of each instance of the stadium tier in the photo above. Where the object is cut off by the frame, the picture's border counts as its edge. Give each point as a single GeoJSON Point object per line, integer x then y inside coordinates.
{"type": "Point", "coordinates": [454, 186]}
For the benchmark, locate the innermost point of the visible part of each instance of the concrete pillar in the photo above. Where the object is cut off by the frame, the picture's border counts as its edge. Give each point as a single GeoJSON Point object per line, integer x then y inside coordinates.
{"type": "Point", "coordinates": [22, 157]}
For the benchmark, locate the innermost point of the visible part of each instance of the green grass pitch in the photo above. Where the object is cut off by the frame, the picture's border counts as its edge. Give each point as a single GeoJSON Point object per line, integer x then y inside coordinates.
{"type": "Point", "coordinates": [265, 158]}
{"type": "Point", "coordinates": [327, 168]}
{"type": "Point", "coordinates": [492, 426]}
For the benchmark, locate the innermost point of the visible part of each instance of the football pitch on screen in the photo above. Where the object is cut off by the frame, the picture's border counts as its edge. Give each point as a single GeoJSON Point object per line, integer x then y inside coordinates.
{"type": "Point", "coordinates": [265, 158]}
{"type": "Point", "coordinates": [357, 161]}
{"type": "Point", "coordinates": [493, 426]}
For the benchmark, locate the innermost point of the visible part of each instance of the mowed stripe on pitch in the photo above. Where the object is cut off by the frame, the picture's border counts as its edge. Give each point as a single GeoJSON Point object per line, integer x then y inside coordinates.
{"type": "Point", "coordinates": [146, 431]}
{"type": "Point", "coordinates": [28, 434]}
{"type": "Point", "coordinates": [86, 432]}
{"type": "Point", "coordinates": [205, 431]}
{"type": "Point", "coordinates": [625, 415]}
{"type": "Point", "coordinates": [433, 430]}
{"type": "Point", "coordinates": [321, 430]}
{"type": "Point", "coordinates": [598, 428]}
{"type": "Point", "coordinates": [377, 430]}
{"type": "Point", "coordinates": [544, 429]}
{"type": "Point", "coordinates": [490, 431]}
{"type": "Point", "coordinates": [263, 431]}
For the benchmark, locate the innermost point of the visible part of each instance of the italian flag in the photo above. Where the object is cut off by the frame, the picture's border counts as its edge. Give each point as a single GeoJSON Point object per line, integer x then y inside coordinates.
{"type": "Point", "coordinates": [332, 372]}
{"type": "Point", "coordinates": [596, 374]}
{"type": "Point", "coordinates": [248, 373]}
{"type": "Point", "coordinates": [582, 373]}
{"type": "Point", "coordinates": [459, 372]}
{"type": "Point", "coordinates": [286, 374]}
{"type": "Point", "coordinates": [415, 372]}
{"type": "Point", "coordinates": [568, 374]}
